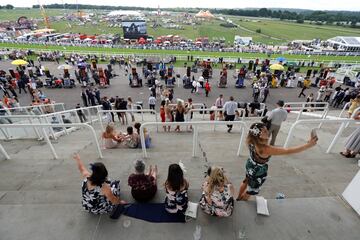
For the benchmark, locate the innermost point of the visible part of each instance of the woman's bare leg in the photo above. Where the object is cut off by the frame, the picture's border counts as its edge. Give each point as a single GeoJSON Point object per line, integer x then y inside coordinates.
{"type": "Point", "coordinates": [242, 190]}
{"type": "Point", "coordinates": [154, 172]}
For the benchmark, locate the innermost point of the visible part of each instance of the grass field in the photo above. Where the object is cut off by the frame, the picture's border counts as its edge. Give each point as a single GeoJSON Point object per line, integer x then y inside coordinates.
{"type": "Point", "coordinates": [272, 31]}
{"type": "Point", "coordinates": [177, 53]}
{"type": "Point", "coordinates": [288, 31]}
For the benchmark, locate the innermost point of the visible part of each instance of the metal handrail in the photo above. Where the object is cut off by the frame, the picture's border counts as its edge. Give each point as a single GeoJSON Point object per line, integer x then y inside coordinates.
{"type": "Point", "coordinates": [42, 126]}
{"type": "Point", "coordinates": [38, 106]}
{"type": "Point", "coordinates": [45, 117]}
{"type": "Point", "coordinates": [195, 131]}
{"type": "Point", "coordinates": [125, 111]}
{"type": "Point", "coordinates": [307, 105]}
{"type": "Point", "coordinates": [346, 106]}
{"type": "Point", "coordinates": [311, 121]}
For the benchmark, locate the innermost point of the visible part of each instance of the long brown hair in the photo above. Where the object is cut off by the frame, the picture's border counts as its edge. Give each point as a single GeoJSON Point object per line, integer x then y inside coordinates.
{"type": "Point", "coordinates": [253, 136]}
{"type": "Point", "coordinates": [216, 178]}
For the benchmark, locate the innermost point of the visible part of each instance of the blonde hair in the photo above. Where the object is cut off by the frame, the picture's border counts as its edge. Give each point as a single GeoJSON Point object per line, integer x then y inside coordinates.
{"type": "Point", "coordinates": [109, 128]}
{"type": "Point", "coordinates": [216, 178]}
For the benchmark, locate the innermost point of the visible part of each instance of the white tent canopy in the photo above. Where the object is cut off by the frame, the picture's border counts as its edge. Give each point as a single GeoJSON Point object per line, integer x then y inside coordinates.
{"type": "Point", "coordinates": [124, 13]}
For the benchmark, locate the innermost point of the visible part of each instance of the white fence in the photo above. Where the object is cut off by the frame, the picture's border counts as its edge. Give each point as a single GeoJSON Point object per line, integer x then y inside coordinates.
{"type": "Point", "coordinates": [46, 137]}
{"type": "Point", "coordinates": [312, 121]}
{"type": "Point", "coordinates": [195, 132]}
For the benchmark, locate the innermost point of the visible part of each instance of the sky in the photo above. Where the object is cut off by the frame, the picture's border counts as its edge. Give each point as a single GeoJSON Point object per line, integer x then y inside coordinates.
{"type": "Point", "coordinates": [352, 5]}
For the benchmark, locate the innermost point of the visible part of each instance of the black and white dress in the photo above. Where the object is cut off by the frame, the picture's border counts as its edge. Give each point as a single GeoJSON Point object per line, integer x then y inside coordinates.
{"type": "Point", "coordinates": [353, 142]}
{"type": "Point", "coordinates": [94, 201]}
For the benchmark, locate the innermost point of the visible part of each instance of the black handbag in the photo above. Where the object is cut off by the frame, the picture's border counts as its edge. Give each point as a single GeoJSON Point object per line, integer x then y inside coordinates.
{"type": "Point", "coordinates": [118, 211]}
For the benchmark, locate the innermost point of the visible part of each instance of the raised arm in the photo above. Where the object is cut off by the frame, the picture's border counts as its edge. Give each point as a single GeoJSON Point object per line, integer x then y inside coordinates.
{"type": "Point", "coordinates": [84, 172]}
{"type": "Point", "coordinates": [106, 190]}
{"type": "Point", "coordinates": [271, 150]}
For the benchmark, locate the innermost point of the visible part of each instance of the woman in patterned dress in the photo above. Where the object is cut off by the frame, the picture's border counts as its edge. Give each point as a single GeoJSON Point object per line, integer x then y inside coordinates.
{"type": "Point", "coordinates": [99, 195]}
{"type": "Point", "coordinates": [217, 197]}
{"type": "Point", "coordinates": [176, 186]}
{"type": "Point", "coordinates": [260, 153]}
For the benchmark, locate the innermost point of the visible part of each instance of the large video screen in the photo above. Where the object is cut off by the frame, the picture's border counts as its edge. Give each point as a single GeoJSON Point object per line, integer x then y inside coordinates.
{"type": "Point", "coordinates": [134, 29]}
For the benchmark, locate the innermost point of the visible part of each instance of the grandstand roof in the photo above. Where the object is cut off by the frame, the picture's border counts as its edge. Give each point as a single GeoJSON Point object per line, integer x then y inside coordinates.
{"type": "Point", "coordinates": [347, 41]}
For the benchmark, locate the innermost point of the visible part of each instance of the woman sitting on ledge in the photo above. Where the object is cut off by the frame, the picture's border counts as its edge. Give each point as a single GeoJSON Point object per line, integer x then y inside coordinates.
{"type": "Point", "coordinates": [131, 139]}
{"type": "Point", "coordinates": [111, 138]}
{"type": "Point", "coordinates": [99, 194]}
{"type": "Point", "coordinates": [218, 194]}
{"type": "Point", "coordinates": [146, 135]}
{"type": "Point", "coordinates": [176, 186]}
{"type": "Point", "coordinates": [143, 186]}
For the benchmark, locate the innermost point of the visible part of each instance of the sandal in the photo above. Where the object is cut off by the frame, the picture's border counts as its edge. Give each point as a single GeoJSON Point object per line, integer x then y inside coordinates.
{"type": "Point", "coordinates": [347, 155]}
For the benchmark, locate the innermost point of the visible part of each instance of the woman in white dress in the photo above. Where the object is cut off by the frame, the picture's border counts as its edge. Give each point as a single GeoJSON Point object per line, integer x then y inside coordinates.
{"type": "Point", "coordinates": [111, 138]}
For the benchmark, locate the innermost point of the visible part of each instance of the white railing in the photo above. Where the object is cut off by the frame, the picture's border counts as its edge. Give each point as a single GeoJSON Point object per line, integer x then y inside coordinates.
{"type": "Point", "coordinates": [312, 121]}
{"type": "Point", "coordinates": [301, 106]}
{"type": "Point", "coordinates": [195, 132]}
{"type": "Point", "coordinates": [346, 107]}
{"type": "Point", "coordinates": [194, 105]}
{"type": "Point", "coordinates": [44, 118]}
{"type": "Point", "coordinates": [126, 111]}
{"type": "Point", "coordinates": [25, 117]}
{"type": "Point", "coordinates": [45, 135]}
{"type": "Point", "coordinates": [40, 107]}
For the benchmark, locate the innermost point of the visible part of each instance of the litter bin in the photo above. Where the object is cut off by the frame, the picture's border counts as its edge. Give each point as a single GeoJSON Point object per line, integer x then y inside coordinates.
{"type": "Point", "coordinates": [138, 107]}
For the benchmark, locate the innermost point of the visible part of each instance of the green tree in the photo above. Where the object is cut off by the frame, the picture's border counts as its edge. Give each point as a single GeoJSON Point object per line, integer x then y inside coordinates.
{"type": "Point", "coordinates": [8, 6]}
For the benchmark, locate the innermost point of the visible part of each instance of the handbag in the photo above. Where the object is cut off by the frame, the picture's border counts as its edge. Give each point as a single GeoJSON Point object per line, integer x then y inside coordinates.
{"type": "Point", "coordinates": [118, 210]}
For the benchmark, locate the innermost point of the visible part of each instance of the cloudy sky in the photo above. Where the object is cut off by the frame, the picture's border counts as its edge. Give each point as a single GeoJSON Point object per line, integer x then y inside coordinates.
{"type": "Point", "coordinates": [353, 5]}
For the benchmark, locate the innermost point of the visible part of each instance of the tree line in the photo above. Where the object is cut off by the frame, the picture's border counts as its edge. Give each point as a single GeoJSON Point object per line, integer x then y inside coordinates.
{"type": "Point", "coordinates": [8, 6]}
{"type": "Point", "coordinates": [298, 15]}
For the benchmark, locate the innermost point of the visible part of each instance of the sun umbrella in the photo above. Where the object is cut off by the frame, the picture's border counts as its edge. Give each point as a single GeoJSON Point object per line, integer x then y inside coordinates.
{"type": "Point", "coordinates": [19, 62]}
{"type": "Point", "coordinates": [82, 65]}
{"type": "Point", "coordinates": [65, 66]}
{"type": "Point", "coordinates": [277, 67]}
{"type": "Point", "coordinates": [281, 59]}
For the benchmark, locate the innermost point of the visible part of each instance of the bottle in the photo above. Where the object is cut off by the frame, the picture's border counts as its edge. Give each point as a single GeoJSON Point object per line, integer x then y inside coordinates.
{"type": "Point", "coordinates": [280, 195]}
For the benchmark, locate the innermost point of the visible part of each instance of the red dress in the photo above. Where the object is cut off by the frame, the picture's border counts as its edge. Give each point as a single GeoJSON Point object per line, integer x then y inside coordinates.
{"type": "Point", "coordinates": [162, 114]}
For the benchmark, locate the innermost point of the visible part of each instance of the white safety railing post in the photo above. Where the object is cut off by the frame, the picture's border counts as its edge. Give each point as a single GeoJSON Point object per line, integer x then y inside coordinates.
{"type": "Point", "coordinates": [51, 129]}
{"type": "Point", "coordinates": [2, 150]}
{"type": "Point", "coordinates": [323, 116]}
{"type": "Point", "coordinates": [35, 129]}
{"type": "Point", "coordinates": [61, 121]}
{"type": "Point", "coordinates": [338, 134]}
{"type": "Point", "coordinates": [195, 140]}
{"type": "Point", "coordinates": [344, 109]}
{"type": "Point", "coordinates": [100, 119]}
{"type": "Point", "coordinates": [286, 144]}
{"type": "Point", "coordinates": [242, 129]}
{"type": "Point", "coordinates": [95, 139]}
{"type": "Point", "coordinates": [49, 143]}
{"type": "Point", "coordinates": [142, 141]}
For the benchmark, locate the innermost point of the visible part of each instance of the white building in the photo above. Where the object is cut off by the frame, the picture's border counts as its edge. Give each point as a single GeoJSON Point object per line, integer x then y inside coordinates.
{"type": "Point", "coordinates": [243, 41]}
{"type": "Point", "coordinates": [342, 43]}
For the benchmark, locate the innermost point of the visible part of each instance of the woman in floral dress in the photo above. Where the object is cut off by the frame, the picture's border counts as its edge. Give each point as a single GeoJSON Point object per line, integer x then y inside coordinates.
{"type": "Point", "coordinates": [218, 194]}
{"type": "Point", "coordinates": [99, 195]}
{"type": "Point", "coordinates": [260, 154]}
{"type": "Point", "coordinates": [176, 186]}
